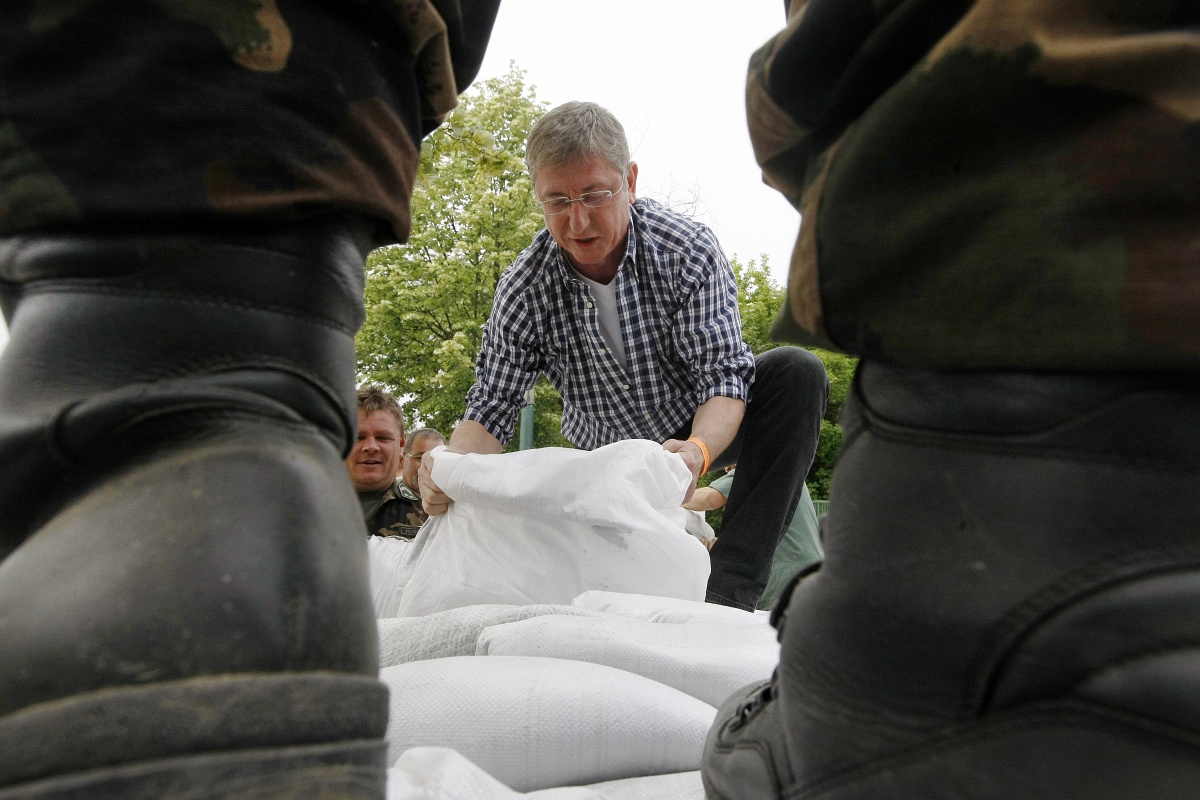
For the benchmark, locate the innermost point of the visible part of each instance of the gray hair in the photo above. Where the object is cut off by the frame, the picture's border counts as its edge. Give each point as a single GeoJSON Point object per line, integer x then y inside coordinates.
{"type": "Point", "coordinates": [575, 131]}
{"type": "Point", "coordinates": [422, 433]}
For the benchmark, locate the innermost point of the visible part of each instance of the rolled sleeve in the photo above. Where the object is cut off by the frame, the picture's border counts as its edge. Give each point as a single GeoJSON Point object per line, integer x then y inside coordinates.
{"type": "Point", "coordinates": [708, 327]}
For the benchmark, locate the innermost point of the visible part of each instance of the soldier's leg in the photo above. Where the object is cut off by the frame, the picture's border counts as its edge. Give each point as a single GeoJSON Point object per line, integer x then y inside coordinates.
{"type": "Point", "coordinates": [183, 598]}
{"type": "Point", "coordinates": [1011, 559]}
{"type": "Point", "coordinates": [183, 603]}
{"type": "Point", "coordinates": [1007, 604]}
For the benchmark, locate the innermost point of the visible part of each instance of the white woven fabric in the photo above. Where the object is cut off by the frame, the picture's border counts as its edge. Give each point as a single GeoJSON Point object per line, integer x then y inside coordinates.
{"type": "Point", "coordinates": [436, 773]}
{"type": "Point", "coordinates": [709, 661]}
{"type": "Point", "coordinates": [541, 526]}
{"type": "Point", "coordinates": [697, 525]}
{"type": "Point", "coordinates": [676, 786]}
{"type": "Point", "coordinates": [537, 723]}
{"type": "Point", "coordinates": [451, 633]}
{"type": "Point", "coordinates": [385, 560]}
{"type": "Point", "coordinates": [666, 609]}
{"type": "Point", "coordinates": [439, 773]}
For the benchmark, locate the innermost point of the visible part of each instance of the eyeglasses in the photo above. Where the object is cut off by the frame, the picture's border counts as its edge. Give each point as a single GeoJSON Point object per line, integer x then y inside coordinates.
{"type": "Point", "coordinates": [559, 205]}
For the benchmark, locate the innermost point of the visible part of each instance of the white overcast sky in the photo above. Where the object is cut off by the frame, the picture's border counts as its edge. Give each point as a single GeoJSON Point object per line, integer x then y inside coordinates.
{"type": "Point", "coordinates": [673, 72]}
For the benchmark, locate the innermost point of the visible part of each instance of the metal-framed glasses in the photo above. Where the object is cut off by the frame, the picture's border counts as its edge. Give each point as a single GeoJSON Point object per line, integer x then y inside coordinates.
{"type": "Point", "coordinates": [559, 205]}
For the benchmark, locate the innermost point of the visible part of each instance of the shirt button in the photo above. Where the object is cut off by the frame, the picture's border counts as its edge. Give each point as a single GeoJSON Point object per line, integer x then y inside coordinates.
{"type": "Point", "coordinates": [624, 385]}
{"type": "Point", "coordinates": [589, 305]}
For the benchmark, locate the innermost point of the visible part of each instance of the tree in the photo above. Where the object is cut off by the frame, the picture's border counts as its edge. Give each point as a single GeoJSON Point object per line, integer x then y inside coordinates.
{"type": "Point", "coordinates": [473, 211]}
{"type": "Point", "coordinates": [759, 299]}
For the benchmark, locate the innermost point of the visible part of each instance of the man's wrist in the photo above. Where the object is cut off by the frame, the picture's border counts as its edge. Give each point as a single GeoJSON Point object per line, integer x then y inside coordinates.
{"type": "Point", "coordinates": [703, 452]}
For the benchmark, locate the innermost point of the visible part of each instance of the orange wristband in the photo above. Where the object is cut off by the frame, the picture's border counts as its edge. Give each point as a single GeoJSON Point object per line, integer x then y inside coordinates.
{"type": "Point", "coordinates": [703, 451]}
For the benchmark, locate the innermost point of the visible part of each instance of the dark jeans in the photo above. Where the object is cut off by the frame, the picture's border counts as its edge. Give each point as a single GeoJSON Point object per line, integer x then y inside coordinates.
{"type": "Point", "coordinates": [773, 450]}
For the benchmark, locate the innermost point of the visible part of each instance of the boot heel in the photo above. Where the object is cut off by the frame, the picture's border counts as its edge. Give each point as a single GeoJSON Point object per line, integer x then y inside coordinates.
{"type": "Point", "coordinates": [301, 735]}
{"type": "Point", "coordinates": [1056, 751]}
{"type": "Point", "coordinates": [346, 771]}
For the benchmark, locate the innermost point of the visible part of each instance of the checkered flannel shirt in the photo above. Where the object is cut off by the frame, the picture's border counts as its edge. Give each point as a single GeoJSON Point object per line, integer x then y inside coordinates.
{"type": "Point", "coordinates": [677, 305]}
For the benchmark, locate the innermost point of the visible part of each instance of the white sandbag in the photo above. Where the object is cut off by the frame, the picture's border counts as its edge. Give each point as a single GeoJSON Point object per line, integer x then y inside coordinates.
{"type": "Point", "coordinates": [709, 661]}
{"type": "Point", "coordinates": [536, 723]}
{"type": "Point", "coordinates": [541, 526]}
{"type": "Point", "coordinates": [451, 633]}
{"type": "Point", "coordinates": [676, 786]}
{"type": "Point", "coordinates": [666, 609]}
{"type": "Point", "coordinates": [385, 561]}
{"type": "Point", "coordinates": [697, 525]}
{"type": "Point", "coordinates": [438, 773]}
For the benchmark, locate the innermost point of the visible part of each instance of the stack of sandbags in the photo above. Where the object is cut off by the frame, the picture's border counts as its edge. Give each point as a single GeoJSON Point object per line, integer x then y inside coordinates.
{"type": "Point", "coordinates": [454, 632]}
{"type": "Point", "coordinates": [542, 526]}
{"type": "Point", "coordinates": [434, 773]}
{"type": "Point", "coordinates": [666, 609]}
{"type": "Point", "coordinates": [535, 723]}
{"type": "Point", "coordinates": [613, 687]}
{"type": "Point", "coordinates": [709, 661]}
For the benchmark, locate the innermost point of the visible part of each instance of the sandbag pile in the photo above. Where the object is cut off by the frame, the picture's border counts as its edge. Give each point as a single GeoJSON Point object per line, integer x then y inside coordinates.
{"type": "Point", "coordinates": [437, 773]}
{"type": "Point", "coordinates": [548, 634]}
{"type": "Point", "coordinates": [609, 697]}
{"type": "Point", "coordinates": [542, 526]}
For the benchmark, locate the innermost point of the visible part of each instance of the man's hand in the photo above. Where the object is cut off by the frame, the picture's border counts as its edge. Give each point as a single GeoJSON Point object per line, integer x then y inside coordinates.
{"type": "Point", "coordinates": [433, 499]}
{"type": "Point", "coordinates": [716, 423]}
{"type": "Point", "coordinates": [692, 456]}
{"type": "Point", "coordinates": [468, 437]}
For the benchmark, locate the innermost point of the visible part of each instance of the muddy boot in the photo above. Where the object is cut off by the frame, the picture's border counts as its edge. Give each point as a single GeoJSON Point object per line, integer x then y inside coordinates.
{"type": "Point", "coordinates": [184, 609]}
{"type": "Point", "coordinates": [1008, 606]}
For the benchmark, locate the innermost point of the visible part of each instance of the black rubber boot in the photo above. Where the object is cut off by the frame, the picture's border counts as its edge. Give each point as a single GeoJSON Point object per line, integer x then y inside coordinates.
{"type": "Point", "coordinates": [184, 609]}
{"type": "Point", "coordinates": [1008, 605]}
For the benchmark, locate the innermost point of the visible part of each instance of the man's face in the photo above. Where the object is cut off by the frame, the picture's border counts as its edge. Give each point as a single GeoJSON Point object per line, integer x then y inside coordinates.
{"type": "Point", "coordinates": [412, 461]}
{"type": "Point", "coordinates": [375, 459]}
{"type": "Point", "coordinates": [594, 238]}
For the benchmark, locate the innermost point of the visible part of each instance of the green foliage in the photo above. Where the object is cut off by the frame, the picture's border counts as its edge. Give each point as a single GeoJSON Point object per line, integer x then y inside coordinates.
{"type": "Point", "coordinates": [828, 447]}
{"type": "Point", "coordinates": [759, 298]}
{"type": "Point", "coordinates": [840, 369]}
{"type": "Point", "coordinates": [473, 211]}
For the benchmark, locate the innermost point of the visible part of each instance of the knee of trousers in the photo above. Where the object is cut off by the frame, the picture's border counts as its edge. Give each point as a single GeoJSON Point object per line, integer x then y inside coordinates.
{"type": "Point", "coordinates": [108, 330]}
{"type": "Point", "coordinates": [791, 373]}
{"type": "Point", "coordinates": [999, 545]}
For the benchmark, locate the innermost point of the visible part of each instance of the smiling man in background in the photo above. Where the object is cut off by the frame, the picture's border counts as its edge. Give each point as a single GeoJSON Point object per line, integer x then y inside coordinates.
{"type": "Point", "coordinates": [379, 465]}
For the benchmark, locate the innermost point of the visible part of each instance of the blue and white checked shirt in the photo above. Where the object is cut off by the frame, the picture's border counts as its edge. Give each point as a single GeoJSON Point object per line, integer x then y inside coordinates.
{"type": "Point", "coordinates": [677, 304]}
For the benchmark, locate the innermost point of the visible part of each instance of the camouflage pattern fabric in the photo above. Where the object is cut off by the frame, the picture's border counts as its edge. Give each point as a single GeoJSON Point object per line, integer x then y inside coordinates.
{"type": "Point", "coordinates": [120, 113]}
{"type": "Point", "coordinates": [997, 184]}
{"type": "Point", "coordinates": [400, 514]}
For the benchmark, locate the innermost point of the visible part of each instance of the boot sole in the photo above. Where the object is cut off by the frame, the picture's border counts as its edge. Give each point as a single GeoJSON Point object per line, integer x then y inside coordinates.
{"type": "Point", "coordinates": [250, 737]}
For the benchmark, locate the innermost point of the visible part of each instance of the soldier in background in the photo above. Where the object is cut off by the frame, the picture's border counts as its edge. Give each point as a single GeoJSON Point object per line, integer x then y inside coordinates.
{"type": "Point", "coordinates": [382, 463]}
{"type": "Point", "coordinates": [400, 512]}
{"type": "Point", "coordinates": [1000, 216]}
{"type": "Point", "coordinates": [187, 195]}
{"type": "Point", "coordinates": [418, 443]}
